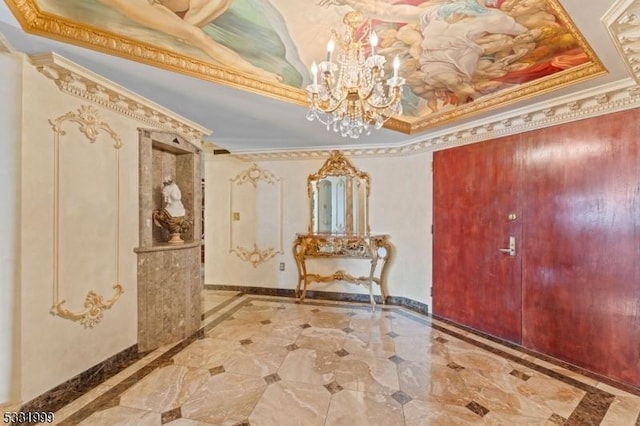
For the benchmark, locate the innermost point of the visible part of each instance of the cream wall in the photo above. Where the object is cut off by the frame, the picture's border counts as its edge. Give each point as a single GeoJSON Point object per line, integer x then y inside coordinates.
{"type": "Point", "coordinates": [56, 349]}
{"type": "Point", "coordinates": [400, 205]}
{"type": "Point", "coordinates": [10, 117]}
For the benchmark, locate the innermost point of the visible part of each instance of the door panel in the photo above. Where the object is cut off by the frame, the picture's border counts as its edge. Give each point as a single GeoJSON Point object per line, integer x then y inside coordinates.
{"type": "Point", "coordinates": [582, 246]}
{"type": "Point", "coordinates": [475, 189]}
{"type": "Point", "coordinates": [576, 294]}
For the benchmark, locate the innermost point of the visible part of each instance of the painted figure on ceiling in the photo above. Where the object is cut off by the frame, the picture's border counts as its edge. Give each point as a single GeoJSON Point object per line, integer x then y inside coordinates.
{"type": "Point", "coordinates": [240, 34]}
{"type": "Point", "coordinates": [455, 51]}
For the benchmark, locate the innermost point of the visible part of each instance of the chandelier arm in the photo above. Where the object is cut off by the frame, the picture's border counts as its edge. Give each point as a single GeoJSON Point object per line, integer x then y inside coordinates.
{"type": "Point", "coordinates": [329, 110]}
{"type": "Point", "coordinates": [393, 100]}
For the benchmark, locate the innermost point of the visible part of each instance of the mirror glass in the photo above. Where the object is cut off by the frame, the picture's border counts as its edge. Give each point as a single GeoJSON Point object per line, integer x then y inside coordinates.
{"type": "Point", "coordinates": [338, 196]}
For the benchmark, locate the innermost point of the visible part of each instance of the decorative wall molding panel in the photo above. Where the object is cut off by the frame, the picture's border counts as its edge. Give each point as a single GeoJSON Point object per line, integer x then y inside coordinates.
{"type": "Point", "coordinates": [250, 203]}
{"type": "Point", "coordinates": [607, 99]}
{"type": "Point", "coordinates": [89, 124]}
{"type": "Point", "coordinates": [78, 81]}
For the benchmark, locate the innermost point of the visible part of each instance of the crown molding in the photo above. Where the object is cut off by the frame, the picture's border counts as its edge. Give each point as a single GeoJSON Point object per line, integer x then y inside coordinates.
{"type": "Point", "coordinates": [623, 23]}
{"type": "Point", "coordinates": [75, 80]}
{"type": "Point", "coordinates": [606, 99]}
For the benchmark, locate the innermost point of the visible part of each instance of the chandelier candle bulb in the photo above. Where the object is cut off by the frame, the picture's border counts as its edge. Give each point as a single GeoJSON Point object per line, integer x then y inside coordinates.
{"type": "Point", "coordinates": [373, 40]}
{"type": "Point", "coordinates": [330, 47]}
{"type": "Point", "coordinates": [396, 67]}
{"type": "Point", "coordinates": [314, 71]}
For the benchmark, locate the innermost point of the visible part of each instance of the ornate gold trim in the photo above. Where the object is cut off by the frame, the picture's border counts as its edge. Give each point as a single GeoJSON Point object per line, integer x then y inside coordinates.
{"type": "Point", "coordinates": [33, 20]}
{"type": "Point", "coordinates": [257, 255]}
{"type": "Point", "coordinates": [80, 82]}
{"type": "Point", "coordinates": [375, 248]}
{"type": "Point", "coordinates": [89, 124]}
{"type": "Point", "coordinates": [337, 165]}
{"type": "Point", "coordinates": [253, 175]}
{"type": "Point", "coordinates": [94, 306]}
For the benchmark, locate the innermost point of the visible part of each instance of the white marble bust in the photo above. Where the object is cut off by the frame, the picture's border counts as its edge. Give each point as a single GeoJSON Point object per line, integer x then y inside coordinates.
{"type": "Point", "coordinates": [172, 198]}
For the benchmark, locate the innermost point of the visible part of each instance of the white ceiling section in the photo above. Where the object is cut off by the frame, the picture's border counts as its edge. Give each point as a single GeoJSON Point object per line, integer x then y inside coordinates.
{"type": "Point", "coordinates": [247, 123]}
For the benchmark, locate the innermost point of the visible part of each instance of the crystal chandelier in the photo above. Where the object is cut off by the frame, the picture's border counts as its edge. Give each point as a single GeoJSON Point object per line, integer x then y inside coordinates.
{"type": "Point", "coordinates": [352, 96]}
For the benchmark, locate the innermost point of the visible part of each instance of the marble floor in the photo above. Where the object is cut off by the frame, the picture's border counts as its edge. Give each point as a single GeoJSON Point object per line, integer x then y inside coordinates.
{"type": "Point", "coordinates": [270, 361]}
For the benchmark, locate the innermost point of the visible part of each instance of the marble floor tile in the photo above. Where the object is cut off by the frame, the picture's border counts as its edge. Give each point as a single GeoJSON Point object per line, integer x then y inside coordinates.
{"type": "Point", "coordinates": [225, 399]}
{"type": "Point", "coordinates": [370, 374]}
{"type": "Point", "coordinates": [165, 388]}
{"type": "Point", "coordinates": [354, 408]}
{"type": "Point", "coordinates": [271, 361]}
{"type": "Point", "coordinates": [290, 403]}
{"type": "Point", "coordinates": [122, 416]}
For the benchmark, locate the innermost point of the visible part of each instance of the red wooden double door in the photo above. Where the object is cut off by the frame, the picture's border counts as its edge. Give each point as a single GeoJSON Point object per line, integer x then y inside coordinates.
{"type": "Point", "coordinates": [568, 200]}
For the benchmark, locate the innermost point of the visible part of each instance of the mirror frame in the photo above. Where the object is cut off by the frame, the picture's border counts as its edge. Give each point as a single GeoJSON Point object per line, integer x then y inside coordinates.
{"type": "Point", "coordinates": [337, 165]}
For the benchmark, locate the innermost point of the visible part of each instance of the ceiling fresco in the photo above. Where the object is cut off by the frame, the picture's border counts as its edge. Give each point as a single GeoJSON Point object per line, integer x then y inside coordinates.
{"type": "Point", "coordinates": [459, 57]}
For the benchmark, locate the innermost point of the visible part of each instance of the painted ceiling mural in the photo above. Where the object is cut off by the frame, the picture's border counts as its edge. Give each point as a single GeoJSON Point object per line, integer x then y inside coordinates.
{"type": "Point", "coordinates": [459, 57]}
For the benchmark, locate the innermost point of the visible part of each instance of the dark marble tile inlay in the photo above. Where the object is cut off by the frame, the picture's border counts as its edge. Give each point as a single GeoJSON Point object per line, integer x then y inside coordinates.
{"type": "Point", "coordinates": [333, 387]}
{"type": "Point", "coordinates": [477, 408]}
{"type": "Point", "coordinates": [305, 325]}
{"type": "Point", "coordinates": [452, 365]}
{"type": "Point", "coordinates": [395, 359]}
{"type": "Point", "coordinates": [348, 330]}
{"type": "Point", "coordinates": [520, 375]}
{"type": "Point", "coordinates": [342, 353]}
{"type": "Point", "coordinates": [557, 419]}
{"type": "Point", "coordinates": [171, 415]}
{"type": "Point", "coordinates": [440, 339]}
{"type": "Point", "coordinates": [292, 347]}
{"type": "Point", "coordinates": [109, 403]}
{"type": "Point", "coordinates": [265, 322]}
{"type": "Point", "coordinates": [244, 342]}
{"type": "Point", "coordinates": [592, 409]}
{"type": "Point", "coordinates": [272, 378]}
{"type": "Point", "coordinates": [401, 397]}
{"type": "Point", "coordinates": [217, 370]}
{"type": "Point", "coordinates": [392, 334]}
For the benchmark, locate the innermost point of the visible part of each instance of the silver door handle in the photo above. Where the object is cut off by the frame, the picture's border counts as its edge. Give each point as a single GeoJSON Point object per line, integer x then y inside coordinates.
{"type": "Point", "coordinates": [511, 251]}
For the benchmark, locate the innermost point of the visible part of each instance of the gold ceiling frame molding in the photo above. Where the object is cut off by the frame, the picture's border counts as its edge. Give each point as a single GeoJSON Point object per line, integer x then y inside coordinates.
{"type": "Point", "coordinates": [36, 21]}
{"type": "Point", "coordinates": [526, 91]}
{"type": "Point", "coordinates": [623, 23]}
{"type": "Point", "coordinates": [253, 175]}
{"type": "Point", "coordinates": [607, 99]}
{"type": "Point", "coordinates": [75, 80]}
{"type": "Point", "coordinates": [88, 120]}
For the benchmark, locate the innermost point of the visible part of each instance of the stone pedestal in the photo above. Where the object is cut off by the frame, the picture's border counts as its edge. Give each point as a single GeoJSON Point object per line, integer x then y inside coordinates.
{"type": "Point", "coordinates": [169, 294]}
{"type": "Point", "coordinates": [169, 275]}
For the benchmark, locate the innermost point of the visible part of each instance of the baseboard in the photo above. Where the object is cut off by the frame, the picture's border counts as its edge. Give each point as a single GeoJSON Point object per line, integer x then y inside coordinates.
{"type": "Point", "coordinates": [405, 302]}
{"type": "Point", "coordinates": [68, 391]}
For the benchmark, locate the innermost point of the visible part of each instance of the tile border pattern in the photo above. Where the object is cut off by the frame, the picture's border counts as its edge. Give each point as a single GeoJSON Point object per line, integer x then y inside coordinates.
{"type": "Point", "coordinates": [591, 409]}
{"type": "Point", "coordinates": [410, 304]}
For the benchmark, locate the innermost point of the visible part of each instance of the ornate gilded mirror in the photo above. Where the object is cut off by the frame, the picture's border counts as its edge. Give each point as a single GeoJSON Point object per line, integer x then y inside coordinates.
{"type": "Point", "coordinates": [339, 198]}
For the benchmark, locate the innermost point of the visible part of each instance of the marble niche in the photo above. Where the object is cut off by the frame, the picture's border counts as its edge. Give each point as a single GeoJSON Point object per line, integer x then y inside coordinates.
{"type": "Point", "coordinates": [169, 277]}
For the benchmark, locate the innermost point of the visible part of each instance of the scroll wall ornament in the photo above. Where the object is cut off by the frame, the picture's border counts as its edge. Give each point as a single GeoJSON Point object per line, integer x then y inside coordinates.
{"type": "Point", "coordinates": [88, 120]}
{"type": "Point", "coordinates": [253, 176]}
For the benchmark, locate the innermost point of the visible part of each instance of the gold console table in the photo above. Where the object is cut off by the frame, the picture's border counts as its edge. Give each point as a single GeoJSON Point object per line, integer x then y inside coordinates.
{"type": "Point", "coordinates": [375, 248]}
